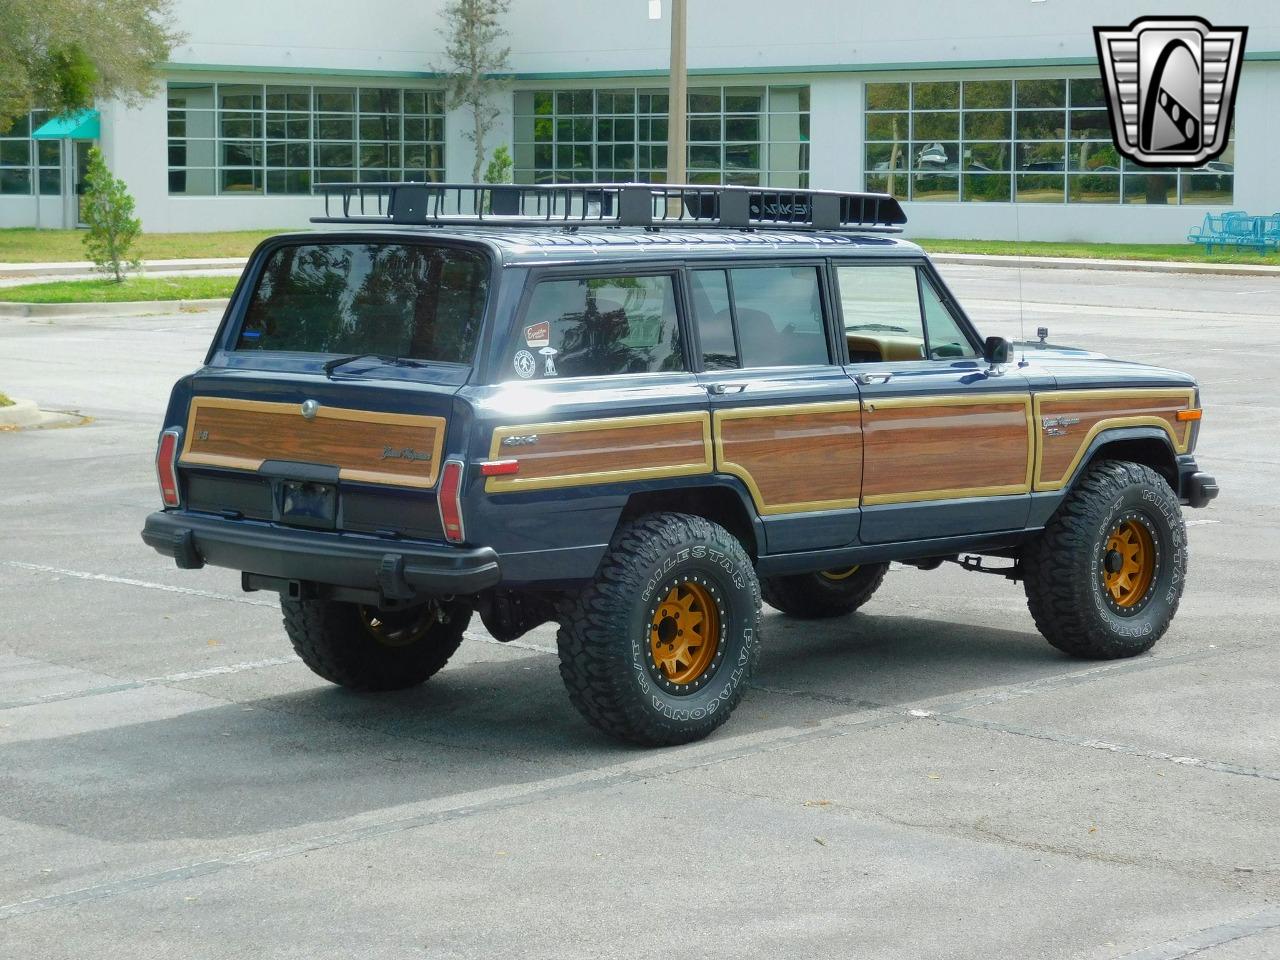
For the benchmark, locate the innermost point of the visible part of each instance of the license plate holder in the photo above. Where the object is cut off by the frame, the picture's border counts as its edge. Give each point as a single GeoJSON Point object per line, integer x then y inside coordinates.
{"type": "Point", "coordinates": [304, 503]}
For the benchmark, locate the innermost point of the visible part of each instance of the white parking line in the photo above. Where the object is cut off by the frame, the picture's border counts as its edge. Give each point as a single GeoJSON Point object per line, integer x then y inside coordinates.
{"type": "Point", "coordinates": [126, 581]}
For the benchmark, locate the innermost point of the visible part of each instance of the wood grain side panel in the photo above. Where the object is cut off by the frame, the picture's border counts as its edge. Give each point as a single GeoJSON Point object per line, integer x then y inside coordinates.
{"type": "Point", "coordinates": [794, 459]}
{"type": "Point", "coordinates": [244, 434]}
{"type": "Point", "coordinates": [604, 451]}
{"type": "Point", "coordinates": [936, 450]}
{"type": "Point", "coordinates": [1061, 450]}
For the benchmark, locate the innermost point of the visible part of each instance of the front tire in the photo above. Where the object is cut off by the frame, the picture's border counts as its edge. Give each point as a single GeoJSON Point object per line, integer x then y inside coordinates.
{"type": "Point", "coordinates": [364, 648]}
{"type": "Point", "coordinates": [657, 649]}
{"type": "Point", "coordinates": [1104, 579]}
{"type": "Point", "coordinates": [829, 593]}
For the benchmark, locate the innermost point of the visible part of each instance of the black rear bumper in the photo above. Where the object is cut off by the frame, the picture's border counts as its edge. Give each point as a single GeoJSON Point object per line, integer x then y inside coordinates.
{"type": "Point", "coordinates": [1195, 488]}
{"type": "Point", "coordinates": [399, 570]}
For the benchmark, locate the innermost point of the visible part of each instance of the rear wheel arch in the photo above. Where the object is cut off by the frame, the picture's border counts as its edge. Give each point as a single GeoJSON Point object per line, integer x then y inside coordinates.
{"type": "Point", "coordinates": [721, 504]}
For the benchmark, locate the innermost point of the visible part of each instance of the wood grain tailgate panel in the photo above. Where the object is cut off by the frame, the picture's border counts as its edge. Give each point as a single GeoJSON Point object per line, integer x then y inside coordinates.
{"type": "Point", "coordinates": [242, 434]}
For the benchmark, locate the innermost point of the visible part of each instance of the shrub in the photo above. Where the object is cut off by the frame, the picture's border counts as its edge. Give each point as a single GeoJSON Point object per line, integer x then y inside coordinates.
{"type": "Point", "coordinates": [107, 208]}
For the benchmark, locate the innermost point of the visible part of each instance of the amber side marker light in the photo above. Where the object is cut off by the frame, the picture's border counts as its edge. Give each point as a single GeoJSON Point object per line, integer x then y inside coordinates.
{"type": "Point", "coordinates": [1194, 414]}
{"type": "Point", "coordinates": [166, 469]}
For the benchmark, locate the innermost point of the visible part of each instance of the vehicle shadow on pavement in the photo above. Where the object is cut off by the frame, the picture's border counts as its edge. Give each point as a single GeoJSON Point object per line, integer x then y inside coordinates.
{"type": "Point", "coordinates": [318, 753]}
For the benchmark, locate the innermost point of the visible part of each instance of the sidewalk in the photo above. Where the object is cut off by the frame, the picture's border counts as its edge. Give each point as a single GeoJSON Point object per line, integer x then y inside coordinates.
{"type": "Point", "coordinates": [40, 271]}
{"type": "Point", "coordinates": [13, 274]}
{"type": "Point", "coordinates": [1082, 263]}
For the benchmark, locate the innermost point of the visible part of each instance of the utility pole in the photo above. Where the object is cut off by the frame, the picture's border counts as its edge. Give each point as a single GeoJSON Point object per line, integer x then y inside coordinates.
{"type": "Point", "coordinates": [679, 100]}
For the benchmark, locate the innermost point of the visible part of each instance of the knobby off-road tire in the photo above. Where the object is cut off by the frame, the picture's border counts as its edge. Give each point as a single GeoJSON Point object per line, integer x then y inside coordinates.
{"type": "Point", "coordinates": [363, 648]}
{"type": "Point", "coordinates": [831, 593]}
{"type": "Point", "coordinates": [1104, 579]}
{"type": "Point", "coordinates": [657, 649]}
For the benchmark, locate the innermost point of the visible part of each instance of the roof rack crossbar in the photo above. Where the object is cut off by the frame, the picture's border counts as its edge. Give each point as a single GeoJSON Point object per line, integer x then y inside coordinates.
{"type": "Point", "coordinates": [572, 206]}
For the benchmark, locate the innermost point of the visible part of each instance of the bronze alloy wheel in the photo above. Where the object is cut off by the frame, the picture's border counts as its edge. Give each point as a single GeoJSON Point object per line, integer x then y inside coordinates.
{"type": "Point", "coordinates": [1130, 563]}
{"type": "Point", "coordinates": [684, 635]}
{"type": "Point", "coordinates": [835, 576]}
{"type": "Point", "coordinates": [399, 628]}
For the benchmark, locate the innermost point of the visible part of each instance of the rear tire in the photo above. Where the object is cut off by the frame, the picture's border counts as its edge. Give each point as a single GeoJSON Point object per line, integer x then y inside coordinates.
{"type": "Point", "coordinates": [363, 648]}
{"type": "Point", "coordinates": [830, 593]}
{"type": "Point", "coordinates": [1104, 578]}
{"type": "Point", "coordinates": [657, 649]}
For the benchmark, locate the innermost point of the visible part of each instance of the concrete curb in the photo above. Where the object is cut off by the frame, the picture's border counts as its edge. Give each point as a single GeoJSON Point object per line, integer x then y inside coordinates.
{"type": "Point", "coordinates": [22, 413]}
{"type": "Point", "coordinates": [132, 308]}
{"type": "Point", "coordinates": [1081, 263]}
{"type": "Point", "coordinates": [25, 415]}
{"type": "Point", "coordinates": [8, 270]}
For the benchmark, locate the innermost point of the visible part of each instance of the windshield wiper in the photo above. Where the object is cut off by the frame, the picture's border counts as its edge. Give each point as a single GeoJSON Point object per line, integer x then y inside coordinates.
{"type": "Point", "coordinates": [334, 364]}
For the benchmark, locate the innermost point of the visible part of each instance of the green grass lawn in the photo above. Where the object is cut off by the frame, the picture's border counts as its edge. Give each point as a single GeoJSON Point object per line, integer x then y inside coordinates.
{"type": "Point", "coordinates": [1099, 251]}
{"type": "Point", "coordinates": [108, 291]}
{"type": "Point", "coordinates": [23, 245]}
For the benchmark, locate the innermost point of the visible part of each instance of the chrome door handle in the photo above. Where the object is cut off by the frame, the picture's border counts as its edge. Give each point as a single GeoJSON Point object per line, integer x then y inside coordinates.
{"type": "Point", "coordinates": [867, 379]}
{"type": "Point", "coordinates": [720, 389]}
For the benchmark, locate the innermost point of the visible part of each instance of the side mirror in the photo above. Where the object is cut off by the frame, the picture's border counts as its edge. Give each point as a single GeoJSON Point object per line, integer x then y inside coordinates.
{"type": "Point", "coordinates": [996, 350]}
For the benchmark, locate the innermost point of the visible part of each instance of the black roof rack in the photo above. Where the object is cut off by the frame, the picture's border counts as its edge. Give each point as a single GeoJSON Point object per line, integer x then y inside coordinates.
{"type": "Point", "coordinates": [570, 206]}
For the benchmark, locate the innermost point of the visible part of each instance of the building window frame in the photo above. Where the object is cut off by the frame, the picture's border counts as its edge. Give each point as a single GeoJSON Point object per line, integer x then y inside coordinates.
{"type": "Point", "coordinates": [1015, 140]}
{"type": "Point", "coordinates": [26, 164]}
{"type": "Point", "coordinates": [283, 139]}
{"type": "Point", "coordinates": [750, 134]}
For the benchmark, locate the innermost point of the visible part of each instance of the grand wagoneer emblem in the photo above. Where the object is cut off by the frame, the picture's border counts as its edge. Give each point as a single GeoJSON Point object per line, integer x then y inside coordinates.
{"type": "Point", "coordinates": [1171, 87]}
{"type": "Point", "coordinates": [405, 453]}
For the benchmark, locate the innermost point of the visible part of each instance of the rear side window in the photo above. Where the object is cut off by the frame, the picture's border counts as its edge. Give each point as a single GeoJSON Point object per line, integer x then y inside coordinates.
{"type": "Point", "coordinates": [398, 299]}
{"type": "Point", "coordinates": [779, 311]}
{"type": "Point", "coordinates": [598, 326]}
{"type": "Point", "coordinates": [759, 317]}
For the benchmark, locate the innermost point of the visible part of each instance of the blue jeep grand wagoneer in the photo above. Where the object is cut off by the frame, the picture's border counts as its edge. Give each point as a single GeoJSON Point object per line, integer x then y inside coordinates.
{"type": "Point", "coordinates": [637, 411]}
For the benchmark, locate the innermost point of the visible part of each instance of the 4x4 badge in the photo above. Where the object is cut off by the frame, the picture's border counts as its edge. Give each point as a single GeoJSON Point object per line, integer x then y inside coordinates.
{"type": "Point", "coordinates": [1171, 87]}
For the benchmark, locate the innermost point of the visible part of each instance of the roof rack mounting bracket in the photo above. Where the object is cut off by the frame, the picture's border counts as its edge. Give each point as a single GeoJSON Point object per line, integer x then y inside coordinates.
{"type": "Point", "coordinates": [824, 211]}
{"type": "Point", "coordinates": [635, 206]}
{"type": "Point", "coordinates": [735, 210]}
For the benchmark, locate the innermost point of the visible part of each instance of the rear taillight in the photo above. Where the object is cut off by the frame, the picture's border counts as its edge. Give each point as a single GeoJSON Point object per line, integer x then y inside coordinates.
{"type": "Point", "coordinates": [449, 496]}
{"type": "Point", "coordinates": [166, 467]}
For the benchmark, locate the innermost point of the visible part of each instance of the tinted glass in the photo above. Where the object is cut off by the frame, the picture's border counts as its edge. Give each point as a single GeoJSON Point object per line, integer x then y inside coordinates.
{"type": "Point", "coordinates": [715, 321]}
{"type": "Point", "coordinates": [779, 314]}
{"type": "Point", "coordinates": [882, 318]}
{"type": "Point", "coordinates": [597, 327]}
{"type": "Point", "coordinates": [946, 339]}
{"type": "Point", "coordinates": [404, 300]}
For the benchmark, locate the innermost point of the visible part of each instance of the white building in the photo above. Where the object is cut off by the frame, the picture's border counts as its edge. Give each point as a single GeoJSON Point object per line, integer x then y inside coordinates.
{"type": "Point", "coordinates": [984, 115]}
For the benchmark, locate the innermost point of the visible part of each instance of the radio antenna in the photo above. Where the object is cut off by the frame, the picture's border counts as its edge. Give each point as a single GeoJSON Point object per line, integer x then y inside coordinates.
{"type": "Point", "coordinates": [1021, 253]}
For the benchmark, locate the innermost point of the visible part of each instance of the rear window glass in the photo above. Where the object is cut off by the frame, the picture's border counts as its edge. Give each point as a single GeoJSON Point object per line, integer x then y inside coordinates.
{"type": "Point", "coordinates": [398, 299]}
{"type": "Point", "coordinates": [598, 326]}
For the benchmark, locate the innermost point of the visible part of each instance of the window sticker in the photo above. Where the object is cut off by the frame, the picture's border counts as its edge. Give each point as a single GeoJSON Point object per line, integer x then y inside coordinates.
{"type": "Point", "coordinates": [525, 364]}
{"type": "Point", "coordinates": [538, 335]}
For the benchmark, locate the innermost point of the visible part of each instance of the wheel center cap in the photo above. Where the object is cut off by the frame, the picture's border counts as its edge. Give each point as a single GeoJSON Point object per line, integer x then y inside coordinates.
{"type": "Point", "coordinates": [1113, 561]}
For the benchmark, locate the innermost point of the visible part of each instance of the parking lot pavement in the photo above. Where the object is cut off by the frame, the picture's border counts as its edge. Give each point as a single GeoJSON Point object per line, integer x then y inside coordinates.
{"type": "Point", "coordinates": [925, 779]}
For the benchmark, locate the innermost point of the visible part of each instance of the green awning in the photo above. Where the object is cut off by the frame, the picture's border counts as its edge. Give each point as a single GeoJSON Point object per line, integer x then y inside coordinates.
{"type": "Point", "coordinates": [82, 125]}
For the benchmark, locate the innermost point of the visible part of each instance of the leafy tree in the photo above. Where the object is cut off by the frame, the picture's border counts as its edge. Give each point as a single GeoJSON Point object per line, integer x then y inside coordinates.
{"type": "Point", "coordinates": [499, 169]}
{"type": "Point", "coordinates": [474, 53]}
{"type": "Point", "coordinates": [62, 55]}
{"type": "Point", "coordinates": [107, 208]}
